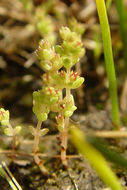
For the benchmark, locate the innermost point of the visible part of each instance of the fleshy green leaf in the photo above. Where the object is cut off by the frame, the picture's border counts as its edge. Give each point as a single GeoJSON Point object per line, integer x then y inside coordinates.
{"type": "Point", "coordinates": [4, 117]}
{"type": "Point", "coordinates": [43, 131]}
{"type": "Point", "coordinates": [17, 129]}
{"type": "Point", "coordinates": [78, 82]}
{"type": "Point", "coordinates": [32, 130]}
{"type": "Point", "coordinates": [42, 116]}
{"type": "Point", "coordinates": [9, 132]}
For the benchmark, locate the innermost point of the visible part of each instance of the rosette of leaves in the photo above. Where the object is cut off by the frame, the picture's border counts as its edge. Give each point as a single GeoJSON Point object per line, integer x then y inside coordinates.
{"type": "Point", "coordinates": [71, 49]}
{"type": "Point", "coordinates": [59, 79]}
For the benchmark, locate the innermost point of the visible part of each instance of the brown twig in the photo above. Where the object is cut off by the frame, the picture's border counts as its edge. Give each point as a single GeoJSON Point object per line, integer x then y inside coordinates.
{"type": "Point", "coordinates": [31, 155]}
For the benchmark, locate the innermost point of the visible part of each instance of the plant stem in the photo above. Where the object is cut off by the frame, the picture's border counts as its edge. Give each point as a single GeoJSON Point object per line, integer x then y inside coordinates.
{"type": "Point", "coordinates": [14, 137]}
{"type": "Point", "coordinates": [35, 149]}
{"type": "Point", "coordinates": [123, 27]}
{"type": "Point", "coordinates": [64, 143]}
{"type": "Point", "coordinates": [66, 123]}
{"type": "Point", "coordinates": [106, 36]}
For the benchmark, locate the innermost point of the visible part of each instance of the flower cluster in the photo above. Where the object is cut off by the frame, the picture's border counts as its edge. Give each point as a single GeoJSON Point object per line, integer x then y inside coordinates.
{"type": "Point", "coordinates": [67, 107]}
{"type": "Point", "coordinates": [71, 49]}
{"type": "Point", "coordinates": [49, 59]}
{"type": "Point", "coordinates": [60, 79]}
{"type": "Point", "coordinates": [53, 60]}
{"type": "Point", "coordinates": [44, 101]}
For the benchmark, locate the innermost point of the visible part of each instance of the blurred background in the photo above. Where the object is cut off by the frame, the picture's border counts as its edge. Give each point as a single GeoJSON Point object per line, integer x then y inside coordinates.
{"type": "Point", "coordinates": [24, 22]}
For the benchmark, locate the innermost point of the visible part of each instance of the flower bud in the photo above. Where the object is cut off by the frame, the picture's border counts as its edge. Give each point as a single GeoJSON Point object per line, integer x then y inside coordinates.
{"type": "Point", "coordinates": [65, 33]}
{"type": "Point", "coordinates": [39, 53]}
{"type": "Point", "coordinates": [53, 100]}
{"type": "Point", "coordinates": [46, 65]}
{"type": "Point", "coordinates": [67, 62]}
{"type": "Point", "coordinates": [42, 116]}
{"type": "Point", "coordinates": [59, 49]}
{"type": "Point", "coordinates": [44, 44]}
{"type": "Point", "coordinates": [48, 54]}
{"type": "Point", "coordinates": [37, 96]}
{"type": "Point", "coordinates": [67, 106]}
{"type": "Point", "coordinates": [56, 62]}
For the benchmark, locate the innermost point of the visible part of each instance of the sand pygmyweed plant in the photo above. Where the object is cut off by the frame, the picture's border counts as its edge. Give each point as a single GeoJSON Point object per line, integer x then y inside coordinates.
{"type": "Point", "coordinates": [57, 63]}
{"type": "Point", "coordinates": [9, 130]}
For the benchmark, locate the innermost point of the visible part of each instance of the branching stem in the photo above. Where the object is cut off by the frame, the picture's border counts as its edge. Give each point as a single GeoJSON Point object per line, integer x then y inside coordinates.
{"type": "Point", "coordinates": [66, 123]}
{"type": "Point", "coordinates": [35, 149]}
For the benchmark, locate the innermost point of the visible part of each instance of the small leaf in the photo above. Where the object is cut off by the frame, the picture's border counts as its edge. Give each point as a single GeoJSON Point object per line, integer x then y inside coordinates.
{"type": "Point", "coordinates": [44, 131]}
{"type": "Point", "coordinates": [78, 82]}
{"type": "Point", "coordinates": [67, 62]}
{"type": "Point", "coordinates": [60, 127]}
{"type": "Point", "coordinates": [32, 130]}
{"type": "Point", "coordinates": [17, 129]}
{"type": "Point", "coordinates": [42, 116]}
{"type": "Point", "coordinates": [4, 122]}
{"type": "Point", "coordinates": [47, 65]}
{"type": "Point", "coordinates": [53, 99]}
{"type": "Point", "coordinates": [65, 33]}
{"type": "Point", "coordinates": [9, 132]}
{"type": "Point", "coordinates": [4, 117]}
{"type": "Point", "coordinates": [48, 54]}
{"type": "Point", "coordinates": [68, 113]}
{"type": "Point", "coordinates": [59, 49]}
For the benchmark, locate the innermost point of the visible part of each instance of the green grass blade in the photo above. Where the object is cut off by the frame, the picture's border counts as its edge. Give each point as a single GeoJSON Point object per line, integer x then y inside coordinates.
{"type": "Point", "coordinates": [96, 159]}
{"type": "Point", "coordinates": [108, 153]}
{"type": "Point", "coordinates": [109, 62]}
{"type": "Point", "coordinates": [123, 27]}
